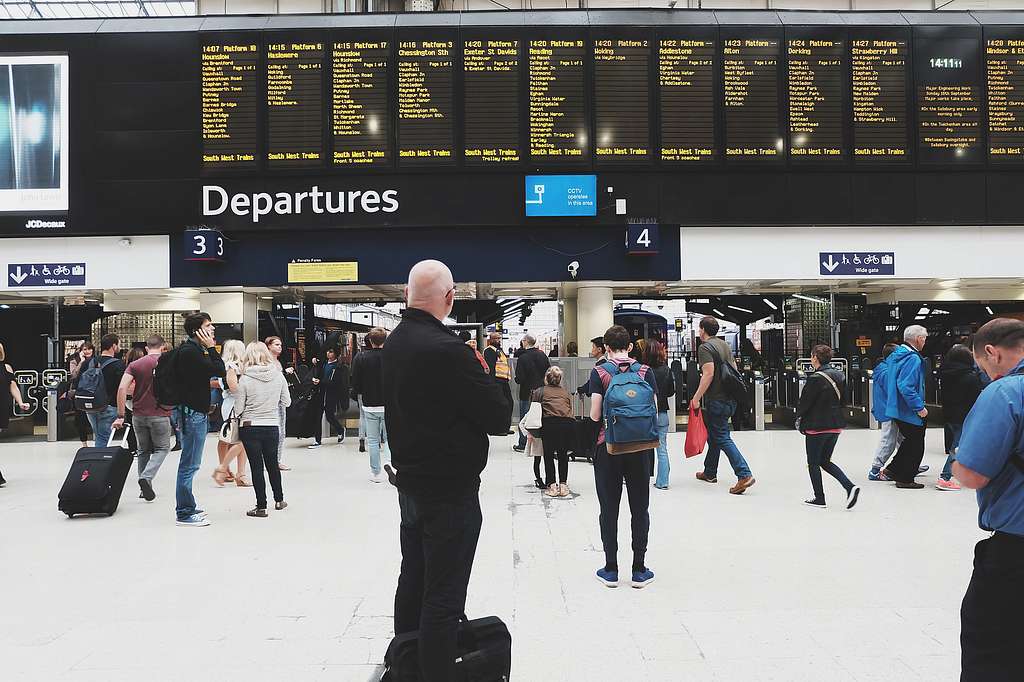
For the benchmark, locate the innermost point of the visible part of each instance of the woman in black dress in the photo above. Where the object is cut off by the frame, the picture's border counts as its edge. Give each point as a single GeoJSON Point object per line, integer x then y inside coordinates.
{"type": "Point", "coordinates": [10, 394]}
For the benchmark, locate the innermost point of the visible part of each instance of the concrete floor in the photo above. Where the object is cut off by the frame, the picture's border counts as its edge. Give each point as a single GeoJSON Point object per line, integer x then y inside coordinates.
{"type": "Point", "coordinates": [749, 588]}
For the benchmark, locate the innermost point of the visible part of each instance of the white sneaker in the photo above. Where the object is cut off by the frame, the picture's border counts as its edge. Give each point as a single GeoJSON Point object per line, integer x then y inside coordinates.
{"type": "Point", "coordinates": [377, 478]}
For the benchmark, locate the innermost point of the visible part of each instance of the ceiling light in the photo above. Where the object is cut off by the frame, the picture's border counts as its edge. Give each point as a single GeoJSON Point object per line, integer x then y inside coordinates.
{"type": "Point", "coordinates": [812, 299]}
{"type": "Point", "coordinates": [742, 310]}
{"type": "Point", "coordinates": [718, 312]}
{"type": "Point", "coordinates": [919, 317]}
{"type": "Point", "coordinates": [989, 309]}
{"type": "Point", "coordinates": [4, 306]}
{"type": "Point", "coordinates": [923, 311]}
{"type": "Point", "coordinates": [770, 304]}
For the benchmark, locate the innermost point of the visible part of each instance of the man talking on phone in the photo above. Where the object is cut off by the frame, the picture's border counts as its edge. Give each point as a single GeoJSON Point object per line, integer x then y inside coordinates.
{"type": "Point", "coordinates": [197, 360]}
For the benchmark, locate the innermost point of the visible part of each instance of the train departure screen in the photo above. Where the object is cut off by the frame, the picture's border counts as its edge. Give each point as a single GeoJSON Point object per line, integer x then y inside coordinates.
{"type": "Point", "coordinates": [1004, 71]}
{"type": "Point", "coordinates": [815, 89]}
{"type": "Point", "coordinates": [557, 104]}
{"type": "Point", "coordinates": [491, 83]}
{"type": "Point", "coordinates": [948, 100]}
{"type": "Point", "coordinates": [426, 130]}
{"type": "Point", "coordinates": [360, 115]}
{"type": "Point", "coordinates": [751, 71]}
{"type": "Point", "coordinates": [879, 72]}
{"type": "Point", "coordinates": [687, 84]}
{"type": "Point", "coordinates": [622, 99]}
{"type": "Point", "coordinates": [295, 104]}
{"type": "Point", "coordinates": [229, 85]}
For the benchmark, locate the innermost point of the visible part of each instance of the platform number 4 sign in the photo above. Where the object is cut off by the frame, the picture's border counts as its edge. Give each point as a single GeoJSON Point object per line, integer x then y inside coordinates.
{"type": "Point", "coordinates": [643, 239]}
{"type": "Point", "coordinates": [205, 244]}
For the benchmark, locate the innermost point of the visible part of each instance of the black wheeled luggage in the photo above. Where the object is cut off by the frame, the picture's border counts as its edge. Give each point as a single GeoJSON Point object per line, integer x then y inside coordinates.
{"type": "Point", "coordinates": [585, 441]}
{"type": "Point", "coordinates": [485, 653]}
{"type": "Point", "coordinates": [96, 479]}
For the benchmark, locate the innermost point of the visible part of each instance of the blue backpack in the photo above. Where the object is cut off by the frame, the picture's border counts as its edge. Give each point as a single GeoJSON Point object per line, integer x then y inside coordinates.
{"type": "Point", "coordinates": [630, 411]}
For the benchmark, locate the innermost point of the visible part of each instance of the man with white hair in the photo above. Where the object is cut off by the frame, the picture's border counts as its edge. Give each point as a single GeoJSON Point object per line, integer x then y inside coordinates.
{"type": "Point", "coordinates": [440, 406]}
{"type": "Point", "coordinates": [530, 368]}
{"type": "Point", "coordinates": [904, 404]}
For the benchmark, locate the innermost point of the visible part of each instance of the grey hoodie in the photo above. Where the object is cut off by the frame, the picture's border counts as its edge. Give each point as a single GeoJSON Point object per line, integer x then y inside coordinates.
{"type": "Point", "coordinates": [261, 389]}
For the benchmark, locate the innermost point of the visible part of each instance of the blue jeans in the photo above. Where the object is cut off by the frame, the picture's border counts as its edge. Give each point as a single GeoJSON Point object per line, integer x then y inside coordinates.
{"type": "Point", "coordinates": [663, 466]}
{"type": "Point", "coordinates": [194, 426]}
{"type": "Point", "coordinates": [524, 407]}
{"type": "Point", "coordinates": [376, 437]}
{"type": "Point", "coordinates": [717, 414]}
{"type": "Point", "coordinates": [891, 439]}
{"type": "Point", "coordinates": [947, 469]}
{"type": "Point", "coordinates": [101, 422]}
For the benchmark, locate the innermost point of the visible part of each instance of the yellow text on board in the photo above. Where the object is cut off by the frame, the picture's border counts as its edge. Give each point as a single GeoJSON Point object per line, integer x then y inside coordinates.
{"type": "Point", "coordinates": [323, 273]}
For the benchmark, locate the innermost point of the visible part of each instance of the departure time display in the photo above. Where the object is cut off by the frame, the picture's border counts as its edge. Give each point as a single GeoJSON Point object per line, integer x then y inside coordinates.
{"type": "Point", "coordinates": [295, 104]}
{"type": "Point", "coordinates": [751, 72]}
{"type": "Point", "coordinates": [360, 115]}
{"type": "Point", "coordinates": [815, 90]}
{"type": "Point", "coordinates": [687, 88]}
{"type": "Point", "coordinates": [948, 100]}
{"type": "Point", "coordinates": [557, 104]}
{"type": "Point", "coordinates": [879, 91]}
{"type": "Point", "coordinates": [426, 131]}
{"type": "Point", "coordinates": [1004, 71]}
{"type": "Point", "coordinates": [622, 99]}
{"type": "Point", "coordinates": [491, 81]}
{"type": "Point", "coordinates": [229, 84]}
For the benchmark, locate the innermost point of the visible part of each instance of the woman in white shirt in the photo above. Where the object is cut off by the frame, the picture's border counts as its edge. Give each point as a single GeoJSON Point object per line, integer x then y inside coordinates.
{"type": "Point", "coordinates": [232, 354]}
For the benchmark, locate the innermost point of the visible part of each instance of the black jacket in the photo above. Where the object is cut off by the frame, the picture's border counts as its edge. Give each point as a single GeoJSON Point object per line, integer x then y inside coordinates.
{"type": "Point", "coordinates": [820, 409]}
{"type": "Point", "coordinates": [196, 367]}
{"type": "Point", "coordinates": [334, 384]}
{"type": "Point", "coordinates": [530, 369]}
{"type": "Point", "coordinates": [666, 386]}
{"type": "Point", "coordinates": [961, 386]}
{"type": "Point", "coordinates": [367, 368]}
{"type": "Point", "coordinates": [439, 406]}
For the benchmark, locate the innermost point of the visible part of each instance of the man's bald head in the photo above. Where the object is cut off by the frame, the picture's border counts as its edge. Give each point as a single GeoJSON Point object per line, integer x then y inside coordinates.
{"type": "Point", "coordinates": [431, 288]}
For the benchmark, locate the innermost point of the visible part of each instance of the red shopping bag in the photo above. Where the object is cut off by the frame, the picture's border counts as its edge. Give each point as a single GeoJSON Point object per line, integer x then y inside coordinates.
{"type": "Point", "coordinates": [696, 434]}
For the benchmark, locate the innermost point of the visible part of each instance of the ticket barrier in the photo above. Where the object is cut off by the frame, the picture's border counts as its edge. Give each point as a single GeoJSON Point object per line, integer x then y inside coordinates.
{"type": "Point", "coordinates": [791, 384]}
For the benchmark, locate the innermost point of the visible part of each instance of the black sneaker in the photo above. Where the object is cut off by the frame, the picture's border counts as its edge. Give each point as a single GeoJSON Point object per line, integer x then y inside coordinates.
{"type": "Point", "coordinates": [815, 503]}
{"type": "Point", "coordinates": [147, 490]}
{"type": "Point", "coordinates": [852, 497]}
{"type": "Point", "coordinates": [909, 485]}
{"type": "Point", "coordinates": [362, 445]}
{"type": "Point", "coordinates": [177, 446]}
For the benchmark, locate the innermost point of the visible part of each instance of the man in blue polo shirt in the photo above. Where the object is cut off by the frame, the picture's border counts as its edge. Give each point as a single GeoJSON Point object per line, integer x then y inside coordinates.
{"type": "Point", "coordinates": [989, 460]}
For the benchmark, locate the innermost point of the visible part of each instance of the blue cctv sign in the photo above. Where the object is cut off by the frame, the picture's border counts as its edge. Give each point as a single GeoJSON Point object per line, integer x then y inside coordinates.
{"type": "Point", "coordinates": [857, 263]}
{"type": "Point", "coordinates": [561, 195]}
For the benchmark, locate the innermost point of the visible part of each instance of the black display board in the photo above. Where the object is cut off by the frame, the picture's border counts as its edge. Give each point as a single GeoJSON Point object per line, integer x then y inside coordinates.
{"type": "Point", "coordinates": [1004, 75]}
{"type": "Point", "coordinates": [879, 90]}
{"type": "Point", "coordinates": [229, 84]}
{"type": "Point", "coordinates": [687, 95]}
{"type": "Point", "coordinates": [751, 77]}
{"type": "Point", "coordinates": [949, 98]}
{"type": "Point", "coordinates": [622, 96]}
{"type": "Point", "coordinates": [295, 100]}
{"type": "Point", "coordinates": [815, 87]}
{"type": "Point", "coordinates": [492, 64]}
{"type": "Point", "coordinates": [558, 125]}
{"type": "Point", "coordinates": [426, 98]}
{"type": "Point", "coordinates": [360, 100]}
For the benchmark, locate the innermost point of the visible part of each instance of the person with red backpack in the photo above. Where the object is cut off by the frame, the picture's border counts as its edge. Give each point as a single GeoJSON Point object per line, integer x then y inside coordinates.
{"type": "Point", "coordinates": [624, 402]}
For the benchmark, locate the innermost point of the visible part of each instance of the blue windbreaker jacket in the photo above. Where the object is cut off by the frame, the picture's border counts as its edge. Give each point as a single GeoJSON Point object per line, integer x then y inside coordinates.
{"type": "Point", "coordinates": [903, 395]}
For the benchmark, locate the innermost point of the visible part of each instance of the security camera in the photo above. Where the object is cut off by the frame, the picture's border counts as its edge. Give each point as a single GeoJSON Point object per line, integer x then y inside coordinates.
{"type": "Point", "coordinates": [574, 269]}
{"type": "Point", "coordinates": [124, 243]}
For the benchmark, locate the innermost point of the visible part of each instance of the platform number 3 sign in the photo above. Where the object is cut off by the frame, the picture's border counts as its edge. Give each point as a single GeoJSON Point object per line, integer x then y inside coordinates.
{"type": "Point", "coordinates": [205, 244]}
{"type": "Point", "coordinates": [642, 239]}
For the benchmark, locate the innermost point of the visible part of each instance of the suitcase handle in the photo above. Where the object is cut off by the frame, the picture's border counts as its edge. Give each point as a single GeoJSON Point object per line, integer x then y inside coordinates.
{"type": "Point", "coordinates": [124, 441]}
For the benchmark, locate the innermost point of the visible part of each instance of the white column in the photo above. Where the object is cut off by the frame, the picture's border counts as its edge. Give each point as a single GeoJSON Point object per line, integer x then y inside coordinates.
{"type": "Point", "coordinates": [569, 326]}
{"type": "Point", "coordinates": [594, 312]}
{"type": "Point", "coordinates": [250, 317]}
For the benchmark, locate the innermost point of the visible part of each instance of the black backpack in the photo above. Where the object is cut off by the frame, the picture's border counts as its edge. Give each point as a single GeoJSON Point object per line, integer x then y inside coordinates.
{"type": "Point", "coordinates": [484, 650]}
{"type": "Point", "coordinates": [91, 393]}
{"type": "Point", "coordinates": [167, 386]}
{"type": "Point", "coordinates": [731, 381]}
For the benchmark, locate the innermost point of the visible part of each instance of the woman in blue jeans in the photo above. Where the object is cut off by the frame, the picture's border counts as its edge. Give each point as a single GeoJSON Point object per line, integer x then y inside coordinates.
{"type": "Point", "coordinates": [657, 359]}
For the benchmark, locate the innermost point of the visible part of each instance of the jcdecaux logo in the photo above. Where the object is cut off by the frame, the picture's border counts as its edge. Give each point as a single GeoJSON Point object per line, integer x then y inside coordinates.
{"type": "Point", "coordinates": [217, 200]}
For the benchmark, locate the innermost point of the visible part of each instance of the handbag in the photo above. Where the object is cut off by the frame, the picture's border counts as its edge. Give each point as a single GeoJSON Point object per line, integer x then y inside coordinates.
{"type": "Point", "coordinates": [229, 430]}
{"type": "Point", "coordinates": [484, 649]}
{"type": "Point", "coordinates": [534, 417]}
{"type": "Point", "coordinates": [696, 434]}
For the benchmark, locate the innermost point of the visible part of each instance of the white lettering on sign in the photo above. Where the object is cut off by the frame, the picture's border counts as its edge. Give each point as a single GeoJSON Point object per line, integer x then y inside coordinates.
{"type": "Point", "coordinates": [217, 201]}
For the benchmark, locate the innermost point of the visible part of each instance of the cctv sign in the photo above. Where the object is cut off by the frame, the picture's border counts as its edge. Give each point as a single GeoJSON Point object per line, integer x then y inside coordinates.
{"type": "Point", "coordinates": [561, 195]}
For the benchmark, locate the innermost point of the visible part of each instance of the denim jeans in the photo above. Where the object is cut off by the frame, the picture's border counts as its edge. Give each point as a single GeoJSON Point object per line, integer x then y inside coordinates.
{"type": "Point", "coordinates": [820, 447]}
{"type": "Point", "coordinates": [663, 466]}
{"type": "Point", "coordinates": [891, 439]}
{"type": "Point", "coordinates": [524, 407]}
{"type": "Point", "coordinates": [362, 419]}
{"type": "Point", "coordinates": [439, 539]}
{"type": "Point", "coordinates": [716, 417]}
{"type": "Point", "coordinates": [610, 471]}
{"type": "Point", "coordinates": [154, 436]}
{"type": "Point", "coordinates": [194, 426]}
{"type": "Point", "coordinates": [376, 440]}
{"type": "Point", "coordinates": [101, 422]}
{"type": "Point", "coordinates": [955, 431]}
{"type": "Point", "coordinates": [261, 448]}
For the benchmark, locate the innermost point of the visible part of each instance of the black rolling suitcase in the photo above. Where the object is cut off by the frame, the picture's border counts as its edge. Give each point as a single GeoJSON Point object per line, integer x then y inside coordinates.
{"type": "Point", "coordinates": [485, 653]}
{"type": "Point", "coordinates": [586, 438]}
{"type": "Point", "coordinates": [96, 479]}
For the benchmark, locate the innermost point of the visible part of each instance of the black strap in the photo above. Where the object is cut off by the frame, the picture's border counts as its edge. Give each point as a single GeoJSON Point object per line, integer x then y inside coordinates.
{"type": "Point", "coordinates": [1017, 458]}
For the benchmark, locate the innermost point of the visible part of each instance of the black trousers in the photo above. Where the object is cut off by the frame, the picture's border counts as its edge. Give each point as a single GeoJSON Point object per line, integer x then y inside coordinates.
{"type": "Point", "coordinates": [330, 410]}
{"type": "Point", "coordinates": [558, 435]}
{"type": "Point", "coordinates": [820, 447]}
{"type": "Point", "coordinates": [609, 473]}
{"type": "Point", "coordinates": [261, 448]}
{"type": "Point", "coordinates": [905, 462]}
{"type": "Point", "coordinates": [991, 628]}
{"type": "Point", "coordinates": [82, 426]}
{"type": "Point", "coordinates": [439, 541]}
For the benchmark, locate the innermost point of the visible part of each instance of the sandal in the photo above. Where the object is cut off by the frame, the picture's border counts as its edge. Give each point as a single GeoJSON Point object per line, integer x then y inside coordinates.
{"type": "Point", "coordinates": [230, 478]}
{"type": "Point", "coordinates": [242, 482]}
{"type": "Point", "coordinates": [219, 476]}
{"type": "Point", "coordinates": [552, 490]}
{"type": "Point", "coordinates": [257, 512]}
{"type": "Point", "coordinates": [563, 490]}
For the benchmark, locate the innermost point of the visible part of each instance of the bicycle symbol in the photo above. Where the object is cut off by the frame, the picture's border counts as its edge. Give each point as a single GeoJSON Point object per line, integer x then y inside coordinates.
{"type": "Point", "coordinates": [61, 270]}
{"type": "Point", "coordinates": [872, 259]}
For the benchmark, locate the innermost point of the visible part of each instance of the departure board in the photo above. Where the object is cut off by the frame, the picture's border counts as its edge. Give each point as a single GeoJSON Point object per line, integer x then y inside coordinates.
{"type": "Point", "coordinates": [557, 103]}
{"type": "Point", "coordinates": [491, 86]}
{"type": "Point", "coordinates": [1004, 73]}
{"type": "Point", "coordinates": [948, 100]}
{"type": "Point", "coordinates": [686, 82]}
{"type": "Point", "coordinates": [360, 115]}
{"type": "Point", "coordinates": [229, 83]}
{"type": "Point", "coordinates": [295, 104]}
{"type": "Point", "coordinates": [751, 73]}
{"type": "Point", "coordinates": [622, 98]}
{"type": "Point", "coordinates": [879, 91]}
{"type": "Point", "coordinates": [426, 129]}
{"type": "Point", "coordinates": [815, 92]}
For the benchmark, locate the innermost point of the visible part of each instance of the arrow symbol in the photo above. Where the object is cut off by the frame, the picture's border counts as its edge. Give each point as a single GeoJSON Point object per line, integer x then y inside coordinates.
{"type": "Point", "coordinates": [20, 276]}
{"type": "Point", "coordinates": [830, 264]}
